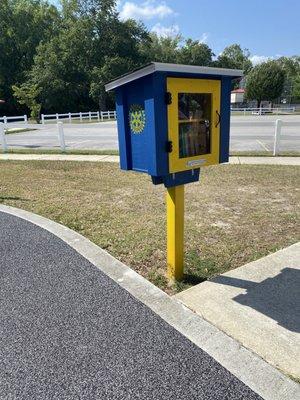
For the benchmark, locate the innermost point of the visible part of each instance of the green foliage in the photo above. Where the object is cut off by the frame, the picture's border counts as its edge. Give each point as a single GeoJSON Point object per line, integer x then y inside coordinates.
{"type": "Point", "coordinates": [24, 24]}
{"type": "Point", "coordinates": [291, 67]}
{"type": "Point", "coordinates": [174, 49]}
{"type": "Point", "coordinates": [195, 53]}
{"type": "Point", "coordinates": [235, 57]}
{"type": "Point", "coordinates": [27, 95]}
{"type": "Point", "coordinates": [296, 87]}
{"type": "Point", "coordinates": [265, 82]}
{"type": "Point", "coordinates": [58, 59]}
{"type": "Point", "coordinates": [93, 47]}
{"type": "Point", "coordinates": [161, 49]}
{"type": "Point", "coordinates": [112, 67]}
{"type": "Point", "coordinates": [61, 69]}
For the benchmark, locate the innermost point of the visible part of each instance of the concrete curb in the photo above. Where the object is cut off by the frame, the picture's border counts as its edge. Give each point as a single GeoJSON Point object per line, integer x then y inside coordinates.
{"type": "Point", "coordinates": [261, 377]}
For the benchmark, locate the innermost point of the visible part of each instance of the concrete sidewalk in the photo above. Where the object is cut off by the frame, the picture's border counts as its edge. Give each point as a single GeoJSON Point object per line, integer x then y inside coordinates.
{"type": "Point", "coordinates": [265, 160]}
{"type": "Point", "coordinates": [258, 304]}
{"type": "Point", "coordinates": [108, 158]}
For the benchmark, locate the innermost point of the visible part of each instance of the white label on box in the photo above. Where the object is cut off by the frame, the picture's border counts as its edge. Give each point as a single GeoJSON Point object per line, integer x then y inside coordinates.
{"type": "Point", "coordinates": [192, 163]}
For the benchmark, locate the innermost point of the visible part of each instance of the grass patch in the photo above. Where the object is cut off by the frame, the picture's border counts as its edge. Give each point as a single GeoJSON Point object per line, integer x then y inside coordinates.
{"type": "Point", "coordinates": [18, 130]}
{"type": "Point", "coordinates": [116, 152]}
{"type": "Point", "coordinates": [235, 214]}
{"type": "Point", "coordinates": [56, 151]}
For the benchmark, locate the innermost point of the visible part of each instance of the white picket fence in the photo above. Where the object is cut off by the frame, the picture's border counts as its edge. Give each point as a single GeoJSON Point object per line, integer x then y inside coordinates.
{"type": "Point", "coordinates": [17, 118]}
{"type": "Point", "coordinates": [90, 115]}
{"type": "Point", "coordinates": [263, 111]}
{"type": "Point", "coordinates": [61, 136]}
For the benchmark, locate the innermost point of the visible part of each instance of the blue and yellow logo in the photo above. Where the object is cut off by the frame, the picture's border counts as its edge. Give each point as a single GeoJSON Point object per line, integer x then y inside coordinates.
{"type": "Point", "coordinates": [137, 118]}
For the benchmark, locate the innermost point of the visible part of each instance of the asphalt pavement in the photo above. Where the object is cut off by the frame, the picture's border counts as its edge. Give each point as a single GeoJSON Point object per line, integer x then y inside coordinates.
{"type": "Point", "coordinates": [92, 136]}
{"type": "Point", "coordinates": [249, 133]}
{"type": "Point", "coordinates": [256, 133]}
{"type": "Point", "coordinates": [67, 331]}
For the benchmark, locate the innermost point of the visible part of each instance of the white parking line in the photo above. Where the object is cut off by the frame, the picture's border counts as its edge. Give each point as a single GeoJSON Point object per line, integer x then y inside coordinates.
{"type": "Point", "coordinates": [263, 145]}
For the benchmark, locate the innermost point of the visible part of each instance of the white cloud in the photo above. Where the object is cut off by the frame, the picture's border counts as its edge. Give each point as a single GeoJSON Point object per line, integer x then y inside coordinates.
{"type": "Point", "coordinates": [204, 37]}
{"type": "Point", "coordinates": [147, 10]}
{"type": "Point", "coordinates": [165, 31]}
{"type": "Point", "coordinates": [260, 59]}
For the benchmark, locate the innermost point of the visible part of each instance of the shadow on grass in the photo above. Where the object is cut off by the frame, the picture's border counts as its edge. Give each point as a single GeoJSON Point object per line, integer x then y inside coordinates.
{"type": "Point", "coordinates": [3, 198]}
{"type": "Point", "coordinates": [188, 280]}
{"type": "Point", "coordinates": [193, 279]}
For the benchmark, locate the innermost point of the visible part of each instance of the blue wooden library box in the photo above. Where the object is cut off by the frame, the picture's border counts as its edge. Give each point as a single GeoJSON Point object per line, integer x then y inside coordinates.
{"type": "Point", "coordinates": [173, 119]}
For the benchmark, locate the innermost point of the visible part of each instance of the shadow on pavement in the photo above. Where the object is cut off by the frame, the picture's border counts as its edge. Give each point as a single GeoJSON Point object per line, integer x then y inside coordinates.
{"type": "Point", "coordinates": [277, 297]}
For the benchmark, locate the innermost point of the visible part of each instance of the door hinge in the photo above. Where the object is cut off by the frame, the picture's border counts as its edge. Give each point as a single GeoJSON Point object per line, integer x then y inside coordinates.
{"type": "Point", "coordinates": [169, 147]}
{"type": "Point", "coordinates": [168, 98]}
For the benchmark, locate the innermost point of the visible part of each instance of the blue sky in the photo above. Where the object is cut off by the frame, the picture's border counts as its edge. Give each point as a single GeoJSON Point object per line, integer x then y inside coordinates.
{"type": "Point", "coordinates": [268, 28]}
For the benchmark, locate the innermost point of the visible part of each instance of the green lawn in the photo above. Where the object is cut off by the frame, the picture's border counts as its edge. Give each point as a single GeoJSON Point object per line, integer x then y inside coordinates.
{"type": "Point", "coordinates": [236, 214]}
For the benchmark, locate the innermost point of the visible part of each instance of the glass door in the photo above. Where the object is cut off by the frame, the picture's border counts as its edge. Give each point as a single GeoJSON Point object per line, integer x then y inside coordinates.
{"type": "Point", "coordinates": [194, 124]}
{"type": "Point", "coordinates": [193, 120]}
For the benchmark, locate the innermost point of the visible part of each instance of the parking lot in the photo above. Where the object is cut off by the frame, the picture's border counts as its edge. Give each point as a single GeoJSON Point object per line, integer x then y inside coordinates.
{"type": "Point", "coordinates": [248, 133]}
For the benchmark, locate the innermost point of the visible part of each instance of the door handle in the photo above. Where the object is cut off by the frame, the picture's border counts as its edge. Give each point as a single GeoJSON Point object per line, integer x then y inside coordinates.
{"type": "Point", "coordinates": [219, 119]}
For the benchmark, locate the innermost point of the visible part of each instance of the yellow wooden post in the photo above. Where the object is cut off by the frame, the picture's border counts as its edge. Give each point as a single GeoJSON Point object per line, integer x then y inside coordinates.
{"type": "Point", "coordinates": [175, 232]}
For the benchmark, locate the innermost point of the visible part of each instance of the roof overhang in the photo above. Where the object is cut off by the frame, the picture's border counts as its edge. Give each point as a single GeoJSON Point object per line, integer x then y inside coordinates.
{"type": "Point", "coordinates": [172, 68]}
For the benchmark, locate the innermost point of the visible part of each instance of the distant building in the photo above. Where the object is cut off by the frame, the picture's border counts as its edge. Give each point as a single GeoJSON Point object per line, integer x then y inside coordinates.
{"type": "Point", "coordinates": [237, 96]}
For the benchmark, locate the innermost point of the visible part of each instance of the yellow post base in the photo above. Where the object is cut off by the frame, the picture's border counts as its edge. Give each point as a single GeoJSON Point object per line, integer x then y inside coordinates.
{"type": "Point", "coordinates": [175, 232]}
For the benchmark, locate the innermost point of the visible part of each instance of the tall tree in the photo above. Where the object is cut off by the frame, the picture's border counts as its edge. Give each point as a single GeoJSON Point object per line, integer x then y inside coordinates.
{"type": "Point", "coordinates": [28, 95]}
{"type": "Point", "coordinates": [265, 82]}
{"type": "Point", "coordinates": [24, 24]}
{"type": "Point", "coordinates": [291, 67]}
{"type": "Point", "coordinates": [161, 49]}
{"type": "Point", "coordinates": [296, 88]}
{"type": "Point", "coordinates": [235, 57]}
{"type": "Point", "coordinates": [195, 53]}
{"type": "Point", "coordinates": [71, 68]}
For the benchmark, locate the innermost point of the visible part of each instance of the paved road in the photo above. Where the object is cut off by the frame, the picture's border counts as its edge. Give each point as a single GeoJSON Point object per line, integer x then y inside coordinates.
{"type": "Point", "coordinates": [70, 332]}
{"type": "Point", "coordinates": [257, 133]}
{"type": "Point", "coordinates": [247, 133]}
{"type": "Point", "coordinates": [97, 136]}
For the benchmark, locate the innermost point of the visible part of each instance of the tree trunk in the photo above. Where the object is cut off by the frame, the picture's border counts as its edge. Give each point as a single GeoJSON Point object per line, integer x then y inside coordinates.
{"type": "Point", "coordinates": [102, 102]}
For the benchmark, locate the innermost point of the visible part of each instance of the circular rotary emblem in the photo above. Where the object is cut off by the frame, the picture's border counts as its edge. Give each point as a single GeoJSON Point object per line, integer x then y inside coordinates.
{"type": "Point", "coordinates": [137, 118]}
